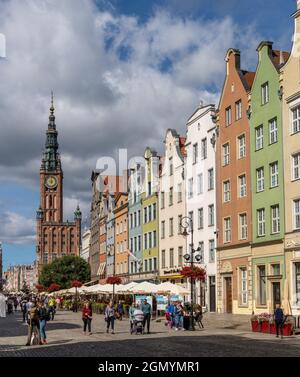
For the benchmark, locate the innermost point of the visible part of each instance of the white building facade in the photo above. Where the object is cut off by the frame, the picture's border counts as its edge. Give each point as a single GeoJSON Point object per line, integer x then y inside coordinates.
{"type": "Point", "coordinates": [172, 208]}
{"type": "Point", "coordinates": [85, 249]}
{"type": "Point", "coordinates": [201, 197]}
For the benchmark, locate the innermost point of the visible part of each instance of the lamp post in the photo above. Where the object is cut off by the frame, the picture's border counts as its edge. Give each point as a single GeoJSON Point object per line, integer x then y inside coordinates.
{"type": "Point", "coordinates": [187, 223]}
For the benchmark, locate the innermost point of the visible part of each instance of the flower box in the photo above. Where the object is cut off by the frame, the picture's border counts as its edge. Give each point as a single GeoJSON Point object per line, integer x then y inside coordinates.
{"type": "Point", "coordinates": [255, 326]}
{"type": "Point", "coordinates": [265, 327]}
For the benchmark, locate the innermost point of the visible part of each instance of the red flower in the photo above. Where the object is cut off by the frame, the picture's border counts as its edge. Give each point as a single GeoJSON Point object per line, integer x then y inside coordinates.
{"type": "Point", "coordinates": [40, 288]}
{"type": "Point", "coordinates": [114, 280]}
{"type": "Point", "coordinates": [54, 287]}
{"type": "Point", "coordinates": [197, 273]}
{"type": "Point", "coordinates": [76, 283]}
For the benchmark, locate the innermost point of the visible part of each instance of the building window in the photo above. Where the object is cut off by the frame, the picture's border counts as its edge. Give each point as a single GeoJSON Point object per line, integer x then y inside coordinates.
{"type": "Point", "coordinates": [244, 286]}
{"type": "Point", "coordinates": [227, 229]}
{"type": "Point", "coordinates": [171, 166]}
{"type": "Point", "coordinates": [145, 215]}
{"type": "Point", "coordinates": [145, 241]}
{"type": "Point", "coordinates": [226, 191]}
{"type": "Point", "coordinates": [150, 264]}
{"type": "Point", "coordinates": [204, 149]}
{"type": "Point", "coordinates": [238, 110]}
{"type": "Point", "coordinates": [211, 215]}
{"type": "Point", "coordinates": [131, 245]}
{"type": "Point", "coordinates": [228, 116]}
{"type": "Point", "coordinates": [261, 222]}
{"type": "Point", "coordinates": [275, 219]}
{"type": "Point", "coordinates": [163, 258]}
{"type": "Point", "coordinates": [135, 244]}
{"type": "Point", "coordinates": [154, 211]}
{"type": "Point", "coordinates": [140, 243]}
{"type": "Point", "coordinates": [171, 196]}
{"type": "Point", "coordinates": [273, 131]}
{"type": "Point", "coordinates": [242, 186]}
{"type": "Point", "coordinates": [201, 251]}
{"type": "Point", "coordinates": [190, 188]}
{"type": "Point", "coordinates": [259, 137]}
{"type": "Point", "coordinates": [274, 174]}
{"type": "Point", "coordinates": [211, 244]}
{"type": "Point", "coordinates": [146, 265]}
{"type": "Point", "coordinates": [226, 154]}
{"type": "Point", "coordinates": [171, 229]}
{"type": "Point", "coordinates": [150, 240]}
{"type": "Point", "coordinates": [200, 218]}
{"type": "Point", "coordinates": [260, 180]}
{"type": "Point", "coordinates": [211, 184]}
{"type": "Point", "coordinates": [135, 220]}
{"type": "Point", "coordinates": [162, 200]}
{"type": "Point", "coordinates": [241, 146]}
{"type": "Point", "coordinates": [243, 226]}
{"type": "Point", "coordinates": [149, 214]}
{"type": "Point", "coordinates": [171, 258]}
{"type": "Point", "coordinates": [265, 93]}
{"type": "Point", "coordinates": [199, 184]}
{"type": "Point", "coordinates": [179, 224]}
{"type": "Point", "coordinates": [163, 229]}
{"type": "Point", "coordinates": [154, 264]}
{"type": "Point", "coordinates": [297, 214]}
{"type": "Point", "coordinates": [276, 269]}
{"type": "Point", "coordinates": [180, 256]}
{"type": "Point", "coordinates": [131, 222]}
{"type": "Point", "coordinates": [195, 153]}
{"type": "Point", "coordinates": [296, 120]}
{"type": "Point", "coordinates": [179, 188]}
{"type": "Point", "coordinates": [262, 285]}
{"type": "Point", "coordinates": [297, 281]}
{"type": "Point", "coordinates": [296, 166]}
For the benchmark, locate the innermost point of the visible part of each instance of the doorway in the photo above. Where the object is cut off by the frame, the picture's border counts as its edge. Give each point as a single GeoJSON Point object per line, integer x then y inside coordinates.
{"type": "Point", "coordinates": [276, 294]}
{"type": "Point", "coordinates": [228, 294]}
{"type": "Point", "coordinates": [212, 293]}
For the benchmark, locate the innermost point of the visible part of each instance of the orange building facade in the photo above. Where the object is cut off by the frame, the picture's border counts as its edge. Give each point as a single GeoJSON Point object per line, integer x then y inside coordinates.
{"type": "Point", "coordinates": [234, 218]}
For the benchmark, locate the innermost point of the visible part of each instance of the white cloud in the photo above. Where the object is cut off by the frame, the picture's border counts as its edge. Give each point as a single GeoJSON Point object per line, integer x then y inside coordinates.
{"type": "Point", "coordinates": [16, 229]}
{"type": "Point", "coordinates": [102, 102]}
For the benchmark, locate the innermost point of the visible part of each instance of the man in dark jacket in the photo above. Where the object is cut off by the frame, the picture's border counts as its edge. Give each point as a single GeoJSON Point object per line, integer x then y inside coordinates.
{"type": "Point", "coordinates": [279, 320]}
{"type": "Point", "coordinates": [146, 309]}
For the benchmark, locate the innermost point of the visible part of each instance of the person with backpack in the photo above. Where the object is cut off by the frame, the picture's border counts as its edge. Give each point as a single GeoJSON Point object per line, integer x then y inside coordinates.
{"type": "Point", "coordinates": [33, 325]}
{"type": "Point", "coordinates": [87, 317]}
{"type": "Point", "coordinates": [44, 316]}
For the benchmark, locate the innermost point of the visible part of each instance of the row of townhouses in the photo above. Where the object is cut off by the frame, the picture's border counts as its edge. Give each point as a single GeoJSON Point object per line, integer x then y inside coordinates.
{"type": "Point", "coordinates": [236, 174]}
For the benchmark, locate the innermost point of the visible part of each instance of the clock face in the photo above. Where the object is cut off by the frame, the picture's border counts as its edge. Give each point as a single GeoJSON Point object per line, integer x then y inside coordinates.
{"type": "Point", "coordinates": [51, 182]}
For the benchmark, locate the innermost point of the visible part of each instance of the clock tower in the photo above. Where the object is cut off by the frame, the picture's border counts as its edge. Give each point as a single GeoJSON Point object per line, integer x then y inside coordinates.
{"type": "Point", "coordinates": [55, 238]}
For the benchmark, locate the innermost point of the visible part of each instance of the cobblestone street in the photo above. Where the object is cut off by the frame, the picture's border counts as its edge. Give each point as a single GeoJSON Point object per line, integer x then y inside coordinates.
{"type": "Point", "coordinates": [224, 335]}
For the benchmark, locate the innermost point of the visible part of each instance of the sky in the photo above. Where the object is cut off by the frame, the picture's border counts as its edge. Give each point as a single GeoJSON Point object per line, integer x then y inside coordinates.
{"type": "Point", "coordinates": [122, 72]}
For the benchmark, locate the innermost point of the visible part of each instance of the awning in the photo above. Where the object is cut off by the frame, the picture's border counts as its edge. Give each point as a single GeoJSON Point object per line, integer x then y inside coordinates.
{"type": "Point", "coordinates": [172, 277]}
{"type": "Point", "coordinates": [101, 268]}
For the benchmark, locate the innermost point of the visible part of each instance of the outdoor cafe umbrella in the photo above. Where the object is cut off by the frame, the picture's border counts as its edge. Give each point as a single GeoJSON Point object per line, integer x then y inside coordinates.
{"type": "Point", "coordinates": [144, 287]}
{"type": "Point", "coordinates": [171, 288]}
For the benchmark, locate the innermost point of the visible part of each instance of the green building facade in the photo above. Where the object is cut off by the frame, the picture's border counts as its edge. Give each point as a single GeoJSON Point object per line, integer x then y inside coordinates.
{"type": "Point", "coordinates": [267, 180]}
{"type": "Point", "coordinates": [150, 223]}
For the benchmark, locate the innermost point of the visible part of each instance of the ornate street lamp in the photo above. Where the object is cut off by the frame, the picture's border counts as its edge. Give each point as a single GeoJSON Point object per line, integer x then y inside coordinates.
{"type": "Point", "coordinates": [187, 223]}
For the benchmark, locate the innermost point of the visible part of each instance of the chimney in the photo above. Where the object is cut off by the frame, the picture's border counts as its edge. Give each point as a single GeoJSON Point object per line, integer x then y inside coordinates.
{"type": "Point", "coordinates": [233, 59]}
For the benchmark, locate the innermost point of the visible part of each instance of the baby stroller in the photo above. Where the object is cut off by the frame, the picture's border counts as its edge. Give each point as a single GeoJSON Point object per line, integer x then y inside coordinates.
{"type": "Point", "coordinates": [137, 323]}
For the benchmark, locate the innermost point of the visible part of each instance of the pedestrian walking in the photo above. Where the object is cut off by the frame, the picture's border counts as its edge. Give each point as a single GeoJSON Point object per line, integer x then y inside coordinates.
{"type": "Point", "coordinates": [33, 326]}
{"type": "Point", "coordinates": [120, 311]}
{"type": "Point", "coordinates": [146, 309]}
{"type": "Point", "coordinates": [132, 308]}
{"type": "Point", "coordinates": [52, 307]}
{"type": "Point", "coordinates": [279, 320]}
{"type": "Point", "coordinates": [16, 303]}
{"type": "Point", "coordinates": [110, 317]}
{"type": "Point", "coordinates": [44, 316]}
{"type": "Point", "coordinates": [170, 315]}
{"type": "Point", "coordinates": [24, 310]}
{"type": "Point", "coordinates": [87, 317]}
{"type": "Point", "coordinates": [179, 317]}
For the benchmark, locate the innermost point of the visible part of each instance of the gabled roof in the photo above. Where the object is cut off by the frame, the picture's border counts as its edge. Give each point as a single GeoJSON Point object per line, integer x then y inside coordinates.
{"type": "Point", "coordinates": [279, 58]}
{"type": "Point", "coordinates": [249, 78]}
{"type": "Point", "coordinates": [200, 110]}
{"type": "Point", "coordinates": [182, 140]}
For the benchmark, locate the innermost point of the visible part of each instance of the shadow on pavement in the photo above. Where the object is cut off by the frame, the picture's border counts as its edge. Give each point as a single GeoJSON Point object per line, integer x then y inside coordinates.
{"type": "Point", "coordinates": [204, 346]}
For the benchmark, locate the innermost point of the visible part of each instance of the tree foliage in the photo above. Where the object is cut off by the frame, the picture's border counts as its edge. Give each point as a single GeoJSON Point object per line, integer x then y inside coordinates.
{"type": "Point", "coordinates": [64, 270]}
